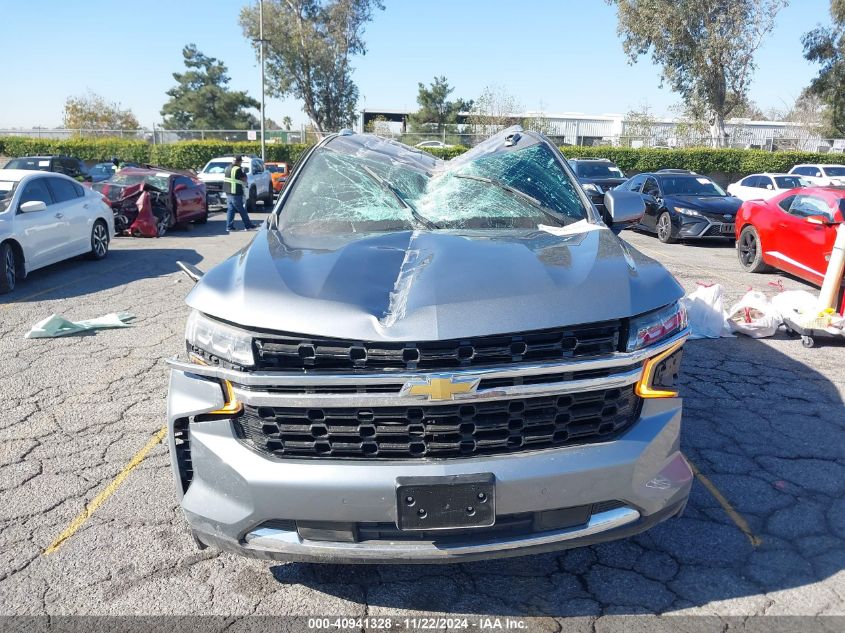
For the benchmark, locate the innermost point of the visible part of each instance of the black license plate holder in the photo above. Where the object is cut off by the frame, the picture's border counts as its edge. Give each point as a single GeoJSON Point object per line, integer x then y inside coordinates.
{"type": "Point", "coordinates": [445, 503]}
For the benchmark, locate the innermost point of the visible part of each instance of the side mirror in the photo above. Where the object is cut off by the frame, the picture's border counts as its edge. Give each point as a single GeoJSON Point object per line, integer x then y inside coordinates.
{"type": "Point", "coordinates": [625, 207]}
{"type": "Point", "coordinates": [180, 187]}
{"type": "Point", "coordinates": [768, 187]}
{"type": "Point", "coordinates": [246, 170]}
{"type": "Point", "coordinates": [648, 199]}
{"type": "Point", "coordinates": [32, 206]}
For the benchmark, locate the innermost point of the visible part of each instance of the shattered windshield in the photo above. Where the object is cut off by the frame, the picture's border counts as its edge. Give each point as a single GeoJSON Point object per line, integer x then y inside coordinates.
{"type": "Point", "coordinates": [346, 191]}
{"type": "Point", "coordinates": [154, 180]}
{"type": "Point", "coordinates": [7, 189]}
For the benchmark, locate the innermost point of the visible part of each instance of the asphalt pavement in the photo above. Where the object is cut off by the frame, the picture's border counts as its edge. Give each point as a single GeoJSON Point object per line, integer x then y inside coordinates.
{"type": "Point", "coordinates": [80, 426]}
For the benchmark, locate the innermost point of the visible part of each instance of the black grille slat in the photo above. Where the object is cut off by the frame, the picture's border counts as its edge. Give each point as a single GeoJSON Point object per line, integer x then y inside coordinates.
{"type": "Point", "coordinates": [285, 352]}
{"type": "Point", "coordinates": [453, 430]}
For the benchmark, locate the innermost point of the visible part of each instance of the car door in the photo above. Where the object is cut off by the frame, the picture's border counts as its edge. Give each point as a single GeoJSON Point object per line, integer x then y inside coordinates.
{"type": "Point", "coordinates": [767, 186]}
{"type": "Point", "coordinates": [41, 233]}
{"type": "Point", "coordinates": [651, 193]}
{"type": "Point", "coordinates": [800, 245]}
{"type": "Point", "coordinates": [190, 203]}
{"type": "Point", "coordinates": [262, 178]}
{"type": "Point", "coordinates": [69, 201]}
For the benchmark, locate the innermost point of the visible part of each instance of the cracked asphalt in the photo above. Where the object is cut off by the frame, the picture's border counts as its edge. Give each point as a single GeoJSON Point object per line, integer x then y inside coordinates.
{"type": "Point", "coordinates": [764, 422]}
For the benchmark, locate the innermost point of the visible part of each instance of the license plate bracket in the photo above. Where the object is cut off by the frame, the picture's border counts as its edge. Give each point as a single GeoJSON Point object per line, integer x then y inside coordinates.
{"type": "Point", "coordinates": [728, 228]}
{"type": "Point", "coordinates": [444, 503]}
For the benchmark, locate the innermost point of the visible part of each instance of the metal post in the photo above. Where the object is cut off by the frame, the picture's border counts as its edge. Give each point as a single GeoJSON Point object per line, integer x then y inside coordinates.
{"type": "Point", "coordinates": [261, 61]}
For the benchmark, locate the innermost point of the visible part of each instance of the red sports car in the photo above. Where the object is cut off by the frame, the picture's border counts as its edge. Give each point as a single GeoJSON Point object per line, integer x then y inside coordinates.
{"type": "Point", "coordinates": [147, 202]}
{"type": "Point", "coordinates": [794, 231]}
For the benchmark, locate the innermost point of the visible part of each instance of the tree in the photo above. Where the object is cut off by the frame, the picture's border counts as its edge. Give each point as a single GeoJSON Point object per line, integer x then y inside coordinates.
{"type": "Point", "coordinates": [494, 109]}
{"type": "Point", "coordinates": [287, 123]}
{"type": "Point", "coordinates": [640, 126]}
{"type": "Point", "coordinates": [826, 46]}
{"type": "Point", "coordinates": [93, 112]}
{"type": "Point", "coordinates": [308, 49]}
{"type": "Point", "coordinates": [705, 48]}
{"type": "Point", "coordinates": [435, 106]}
{"type": "Point", "coordinates": [201, 99]}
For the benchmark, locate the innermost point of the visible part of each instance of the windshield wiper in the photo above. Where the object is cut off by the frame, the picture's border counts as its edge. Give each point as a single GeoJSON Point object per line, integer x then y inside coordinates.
{"type": "Point", "coordinates": [549, 213]}
{"type": "Point", "coordinates": [389, 187]}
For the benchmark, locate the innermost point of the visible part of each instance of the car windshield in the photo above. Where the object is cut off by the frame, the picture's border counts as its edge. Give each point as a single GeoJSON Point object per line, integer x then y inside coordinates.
{"type": "Point", "coordinates": [597, 170]}
{"type": "Point", "coordinates": [39, 164]}
{"type": "Point", "coordinates": [835, 171]}
{"type": "Point", "coordinates": [159, 181]}
{"type": "Point", "coordinates": [102, 169]}
{"type": "Point", "coordinates": [275, 169]}
{"type": "Point", "coordinates": [343, 188]}
{"type": "Point", "coordinates": [7, 190]}
{"type": "Point", "coordinates": [690, 186]}
{"type": "Point", "coordinates": [216, 167]}
{"type": "Point", "coordinates": [790, 182]}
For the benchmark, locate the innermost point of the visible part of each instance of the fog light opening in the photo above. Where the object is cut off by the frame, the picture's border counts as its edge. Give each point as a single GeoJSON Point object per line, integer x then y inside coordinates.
{"type": "Point", "coordinates": [654, 368]}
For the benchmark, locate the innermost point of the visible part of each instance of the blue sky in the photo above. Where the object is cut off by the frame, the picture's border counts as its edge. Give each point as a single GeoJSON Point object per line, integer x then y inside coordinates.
{"type": "Point", "coordinates": [554, 55]}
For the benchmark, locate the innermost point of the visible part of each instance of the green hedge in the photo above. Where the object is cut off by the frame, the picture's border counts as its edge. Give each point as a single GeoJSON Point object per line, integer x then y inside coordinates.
{"type": "Point", "coordinates": [180, 155]}
{"type": "Point", "coordinates": [194, 154]}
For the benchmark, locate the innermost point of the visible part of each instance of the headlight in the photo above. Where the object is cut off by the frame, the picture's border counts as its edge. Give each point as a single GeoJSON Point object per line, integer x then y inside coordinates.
{"type": "Point", "coordinates": [592, 187]}
{"type": "Point", "coordinates": [220, 340]}
{"type": "Point", "coordinates": [653, 327]}
{"type": "Point", "coordinates": [685, 211]}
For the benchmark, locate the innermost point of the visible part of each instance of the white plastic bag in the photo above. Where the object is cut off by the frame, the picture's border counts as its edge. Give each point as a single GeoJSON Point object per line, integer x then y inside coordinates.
{"type": "Point", "coordinates": [754, 315]}
{"type": "Point", "coordinates": [706, 312]}
{"type": "Point", "coordinates": [794, 304]}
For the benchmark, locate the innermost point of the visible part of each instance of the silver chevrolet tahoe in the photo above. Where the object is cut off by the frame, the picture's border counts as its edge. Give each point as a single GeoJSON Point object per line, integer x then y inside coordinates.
{"type": "Point", "coordinates": [420, 361]}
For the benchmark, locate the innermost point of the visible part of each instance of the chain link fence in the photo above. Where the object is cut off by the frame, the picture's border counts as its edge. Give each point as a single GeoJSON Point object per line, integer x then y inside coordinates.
{"type": "Point", "coordinates": [162, 136]}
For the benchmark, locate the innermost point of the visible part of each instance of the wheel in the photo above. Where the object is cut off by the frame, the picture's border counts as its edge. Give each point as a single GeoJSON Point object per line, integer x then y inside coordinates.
{"type": "Point", "coordinates": [808, 341]}
{"type": "Point", "coordinates": [268, 199]}
{"type": "Point", "coordinates": [99, 240]}
{"type": "Point", "coordinates": [9, 264]}
{"type": "Point", "coordinates": [250, 200]}
{"type": "Point", "coordinates": [750, 252]}
{"type": "Point", "coordinates": [664, 228]}
{"type": "Point", "coordinates": [162, 223]}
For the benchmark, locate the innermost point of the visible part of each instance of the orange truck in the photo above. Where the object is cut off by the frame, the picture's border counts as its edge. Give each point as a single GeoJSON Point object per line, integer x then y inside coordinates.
{"type": "Point", "coordinates": [278, 174]}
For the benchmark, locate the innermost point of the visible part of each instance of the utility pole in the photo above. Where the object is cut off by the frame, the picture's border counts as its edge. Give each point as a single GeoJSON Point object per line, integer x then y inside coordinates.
{"type": "Point", "coordinates": [261, 61]}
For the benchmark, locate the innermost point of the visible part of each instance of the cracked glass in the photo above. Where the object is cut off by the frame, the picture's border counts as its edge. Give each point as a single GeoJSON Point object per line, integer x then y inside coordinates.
{"type": "Point", "coordinates": [354, 187]}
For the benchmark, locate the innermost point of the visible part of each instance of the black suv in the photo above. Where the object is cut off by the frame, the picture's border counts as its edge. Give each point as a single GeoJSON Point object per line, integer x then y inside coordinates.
{"type": "Point", "coordinates": [681, 204]}
{"type": "Point", "coordinates": [67, 165]}
{"type": "Point", "coordinates": [597, 176]}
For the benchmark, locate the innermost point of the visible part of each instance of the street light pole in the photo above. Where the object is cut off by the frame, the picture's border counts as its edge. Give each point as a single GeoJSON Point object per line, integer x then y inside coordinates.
{"type": "Point", "coordinates": [261, 59]}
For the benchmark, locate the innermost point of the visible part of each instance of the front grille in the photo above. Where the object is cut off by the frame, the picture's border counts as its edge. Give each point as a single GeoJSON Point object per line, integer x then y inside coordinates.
{"type": "Point", "coordinates": [280, 352]}
{"type": "Point", "coordinates": [215, 187]}
{"type": "Point", "coordinates": [452, 430]}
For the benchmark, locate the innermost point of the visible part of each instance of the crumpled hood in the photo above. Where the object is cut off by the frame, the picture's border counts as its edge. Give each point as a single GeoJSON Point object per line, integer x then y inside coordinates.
{"type": "Point", "coordinates": [413, 285]}
{"type": "Point", "coordinates": [708, 204]}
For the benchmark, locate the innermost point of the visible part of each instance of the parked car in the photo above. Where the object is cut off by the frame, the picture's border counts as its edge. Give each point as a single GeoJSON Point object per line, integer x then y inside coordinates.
{"type": "Point", "coordinates": [597, 176]}
{"type": "Point", "coordinates": [419, 361]}
{"type": "Point", "coordinates": [683, 205]}
{"type": "Point", "coordinates": [278, 174]}
{"type": "Point", "coordinates": [67, 165]}
{"type": "Point", "coordinates": [764, 186]}
{"type": "Point", "coordinates": [103, 171]}
{"type": "Point", "coordinates": [148, 202]}
{"type": "Point", "coordinates": [821, 175]}
{"type": "Point", "coordinates": [259, 184]}
{"type": "Point", "coordinates": [793, 231]}
{"type": "Point", "coordinates": [45, 218]}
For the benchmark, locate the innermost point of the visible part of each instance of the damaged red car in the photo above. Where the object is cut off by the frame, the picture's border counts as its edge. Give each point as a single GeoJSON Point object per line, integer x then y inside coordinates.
{"type": "Point", "coordinates": [149, 202]}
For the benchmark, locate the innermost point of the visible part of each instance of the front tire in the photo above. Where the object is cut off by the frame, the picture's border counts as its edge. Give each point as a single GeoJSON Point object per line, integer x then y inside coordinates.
{"type": "Point", "coordinates": [8, 268]}
{"type": "Point", "coordinates": [664, 228]}
{"type": "Point", "coordinates": [162, 223]}
{"type": "Point", "coordinates": [99, 241]}
{"type": "Point", "coordinates": [250, 200]}
{"type": "Point", "coordinates": [268, 199]}
{"type": "Point", "coordinates": [750, 251]}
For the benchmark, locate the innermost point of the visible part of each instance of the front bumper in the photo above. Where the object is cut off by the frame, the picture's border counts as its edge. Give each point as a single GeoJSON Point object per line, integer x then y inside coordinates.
{"type": "Point", "coordinates": [695, 227]}
{"type": "Point", "coordinates": [239, 500]}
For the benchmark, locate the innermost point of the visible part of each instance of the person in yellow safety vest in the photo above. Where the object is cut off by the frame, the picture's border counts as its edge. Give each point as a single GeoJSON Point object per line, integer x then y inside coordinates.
{"type": "Point", "coordinates": [234, 180]}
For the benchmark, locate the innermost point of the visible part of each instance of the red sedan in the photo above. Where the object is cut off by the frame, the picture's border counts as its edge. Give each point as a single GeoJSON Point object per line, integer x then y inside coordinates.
{"type": "Point", "coordinates": [148, 202]}
{"type": "Point", "coordinates": [794, 231]}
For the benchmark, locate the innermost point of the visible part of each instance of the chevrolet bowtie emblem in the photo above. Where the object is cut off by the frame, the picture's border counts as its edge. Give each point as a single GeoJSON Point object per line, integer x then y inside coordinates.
{"type": "Point", "coordinates": [440, 388]}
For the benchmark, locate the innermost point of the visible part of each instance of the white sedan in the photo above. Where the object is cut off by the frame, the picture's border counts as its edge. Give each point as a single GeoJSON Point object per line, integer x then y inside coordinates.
{"type": "Point", "coordinates": [821, 175]}
{"type": "Point", "coordinates": [45, 218]}
{"type": "Point", "coordinates": [765, 186]}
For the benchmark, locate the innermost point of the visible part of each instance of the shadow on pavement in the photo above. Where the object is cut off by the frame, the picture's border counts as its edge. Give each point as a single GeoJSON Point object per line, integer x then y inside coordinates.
{"type": "Point", "coordinates": [764, 427]}
{"type": "Point", "coordinates": [79, 276]}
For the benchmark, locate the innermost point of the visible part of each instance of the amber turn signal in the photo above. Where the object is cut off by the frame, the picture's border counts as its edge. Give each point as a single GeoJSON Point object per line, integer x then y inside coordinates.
{"type": "Point", "coordinates": [652, 384]}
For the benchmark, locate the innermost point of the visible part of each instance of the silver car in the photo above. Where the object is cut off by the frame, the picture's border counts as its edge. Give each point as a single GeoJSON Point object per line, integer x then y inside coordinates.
{"type": "Point", "coordinates": [420, 361]}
